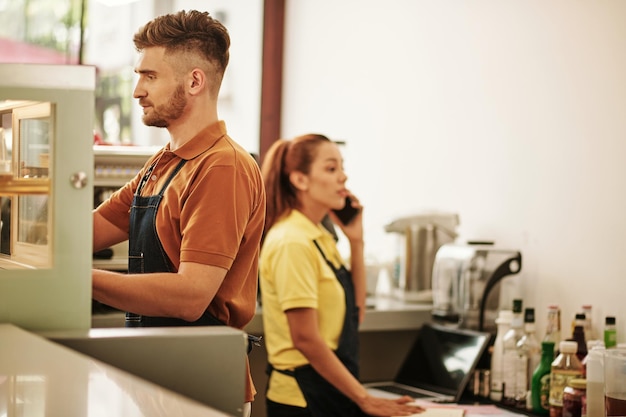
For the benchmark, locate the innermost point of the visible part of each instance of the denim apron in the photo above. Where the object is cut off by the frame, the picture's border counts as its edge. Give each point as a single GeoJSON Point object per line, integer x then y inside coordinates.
{"type": "Point", "coordinates": [146, 253]}
{"type": "Point", "coordinates": [322, 398]}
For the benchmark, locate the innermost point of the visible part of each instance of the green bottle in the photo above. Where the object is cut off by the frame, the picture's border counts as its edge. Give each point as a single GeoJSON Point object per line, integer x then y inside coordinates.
{"type": "Point", "coordinates": [540, 384]}
{"type": "Point", "coordinates": [610, 334]}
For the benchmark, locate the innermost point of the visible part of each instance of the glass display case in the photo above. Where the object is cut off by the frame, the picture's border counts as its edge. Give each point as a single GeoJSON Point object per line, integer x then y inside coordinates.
{"type": "Point", "coordinates": [46, 195]}
{"type": "Point", "coordinates": [26, 128]}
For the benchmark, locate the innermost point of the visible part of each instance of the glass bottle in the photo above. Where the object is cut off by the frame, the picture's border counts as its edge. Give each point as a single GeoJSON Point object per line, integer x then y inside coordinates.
{"type": "Point", "coordinates": [610, 332]}
{"type": "Point", "coordinates": [579, 320]}
{"type": "Point", "coordinates": [574, 398]}
{"type": "Point", "coordinates": [503, 323]}
{"type": "Point", "coordinates": [540, 382]}
{"type": "Point", "coordinates": [591, 344]}
{"type": "Point", "coordinates": [512, 370]}
{"type": "Point", "coordinates": [589, 330]}
{"type": "Point", "coordinates": [529, 350]}
{"type": "Point", "coordinates": [579, 337]}
{"type": "Point", "coordinates": [553, 326]}
{"type": "Point", "coordinates": [564, 368]}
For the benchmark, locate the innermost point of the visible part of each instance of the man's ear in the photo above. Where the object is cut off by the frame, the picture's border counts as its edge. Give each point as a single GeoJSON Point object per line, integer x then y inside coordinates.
{"type": "Point", "coordinates": [299, 180]}
{"type": "Point", "coordinates": [197, 79]}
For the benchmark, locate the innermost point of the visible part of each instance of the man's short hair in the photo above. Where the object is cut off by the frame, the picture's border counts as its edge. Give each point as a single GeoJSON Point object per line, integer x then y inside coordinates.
{"type": "Point", "coordinates": [188, 36]}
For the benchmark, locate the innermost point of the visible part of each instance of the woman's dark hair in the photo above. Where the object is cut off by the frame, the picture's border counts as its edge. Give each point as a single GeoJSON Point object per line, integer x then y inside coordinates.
{"type": "Point", "coordinates": [281, 159]}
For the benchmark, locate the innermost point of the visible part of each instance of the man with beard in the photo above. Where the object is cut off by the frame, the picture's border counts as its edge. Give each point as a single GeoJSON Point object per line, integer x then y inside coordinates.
{"type": "Point", "coordinates": [194, 215]}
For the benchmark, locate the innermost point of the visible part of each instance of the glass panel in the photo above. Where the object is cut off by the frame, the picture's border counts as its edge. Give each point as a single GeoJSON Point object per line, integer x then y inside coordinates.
{"type": "Point", "coordinates": [6, 173]}
{"type": "Point", "coordinates": [32, 210]}
{"type": "Point", "coordinates": [33, 219]}
{"type": "Point", "coordinates": [5, 225]}
{"type": "Point", "coordinates": [5, 144]}
{"type": "Point", "coordinates": [34, 147]}
{"type": "Point", "coordinates": [25, 187]}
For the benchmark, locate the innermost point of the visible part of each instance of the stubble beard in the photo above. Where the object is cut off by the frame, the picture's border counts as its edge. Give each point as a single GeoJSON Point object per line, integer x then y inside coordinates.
{"type": "Point", "coordinates": [162, 115]}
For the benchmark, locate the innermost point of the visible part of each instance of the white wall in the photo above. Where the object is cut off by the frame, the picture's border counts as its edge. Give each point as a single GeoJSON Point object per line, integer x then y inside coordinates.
{"type": "Point", "coordinates": [240, 95]}
{"type": "Point", "coordinates": [511, 113]}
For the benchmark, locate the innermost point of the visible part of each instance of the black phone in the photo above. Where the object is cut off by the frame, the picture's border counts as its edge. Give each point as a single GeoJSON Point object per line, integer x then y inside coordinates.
{"type": "Point", "coordinates": [347, 213]}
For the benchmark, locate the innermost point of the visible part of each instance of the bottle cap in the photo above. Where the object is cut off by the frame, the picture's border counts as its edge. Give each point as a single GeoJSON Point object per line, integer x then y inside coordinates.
{"type": "Point", "coordinates": [504, 316]}
{"type": "Point", "coordinates": [529, 315]}
{"type": "Point", "coordinates": [580, 316]}
{"type": "Point", "coordinates": [517, 305]}
{"type": "Point", "coordinates": [610, 320]}
{"type": "Point", "coordinates": [568, 346]}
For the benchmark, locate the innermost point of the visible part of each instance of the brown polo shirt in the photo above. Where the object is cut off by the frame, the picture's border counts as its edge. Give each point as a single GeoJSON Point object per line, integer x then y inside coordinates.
{"type": "Point", "coordinates": [212, 213]}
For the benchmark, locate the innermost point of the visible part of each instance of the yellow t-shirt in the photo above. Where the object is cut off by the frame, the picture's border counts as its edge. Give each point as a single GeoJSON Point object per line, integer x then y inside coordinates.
{"type": "Point", "coordinates": [294, 274]}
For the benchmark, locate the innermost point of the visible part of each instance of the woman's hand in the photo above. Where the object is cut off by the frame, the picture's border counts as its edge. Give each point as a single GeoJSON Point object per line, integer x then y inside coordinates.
{"type": "Point", "coordinates": [354, 229]}
{"type": "Point", "coordinates": [376, 406]}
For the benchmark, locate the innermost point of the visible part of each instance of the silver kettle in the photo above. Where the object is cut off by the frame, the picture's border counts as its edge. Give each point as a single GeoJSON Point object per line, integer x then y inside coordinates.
{"type": "Point", "coordinates": [419, 238]}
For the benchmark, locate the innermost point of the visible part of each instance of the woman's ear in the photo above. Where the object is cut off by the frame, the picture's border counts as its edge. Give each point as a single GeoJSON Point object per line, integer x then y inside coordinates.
{"type": "Point", "coordinates": [299, 180]}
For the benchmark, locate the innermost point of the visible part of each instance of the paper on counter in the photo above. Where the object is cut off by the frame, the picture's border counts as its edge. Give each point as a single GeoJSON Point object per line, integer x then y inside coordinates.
{"type": "Point", "coordinates": [442, 412]}
{"type": "Point", "coordinates": [437, 410]}
{"type": "Point", "coordinates": [488, 410]}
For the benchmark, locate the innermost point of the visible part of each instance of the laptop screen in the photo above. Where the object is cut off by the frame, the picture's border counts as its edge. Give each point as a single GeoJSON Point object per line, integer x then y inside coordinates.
{"type": "Point", "coordinates": [443, 358]}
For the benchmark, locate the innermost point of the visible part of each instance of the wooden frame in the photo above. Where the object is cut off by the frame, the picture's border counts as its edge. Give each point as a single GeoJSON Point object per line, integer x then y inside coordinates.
{"type": "Point", "coordinates": [25, 254]}
{"type": "Point", "coordinates": [272, 73]}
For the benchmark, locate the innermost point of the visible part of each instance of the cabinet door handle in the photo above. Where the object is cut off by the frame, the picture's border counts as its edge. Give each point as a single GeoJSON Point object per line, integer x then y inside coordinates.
{"type": "Point", "coordinates": [78, 180]}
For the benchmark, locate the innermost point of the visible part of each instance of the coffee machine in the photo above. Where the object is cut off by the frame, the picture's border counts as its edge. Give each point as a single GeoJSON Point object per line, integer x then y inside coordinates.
{"type": "Point", "coordinates": [113, 167]}
{"type": "Point", "coordinates": [466, 283]}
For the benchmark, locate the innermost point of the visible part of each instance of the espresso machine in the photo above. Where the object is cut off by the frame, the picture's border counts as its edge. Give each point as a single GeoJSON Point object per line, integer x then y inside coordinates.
{"type": "Point", "coordinates": [113, 167]}
{"type": "Point", "coordinates": [467, 283]}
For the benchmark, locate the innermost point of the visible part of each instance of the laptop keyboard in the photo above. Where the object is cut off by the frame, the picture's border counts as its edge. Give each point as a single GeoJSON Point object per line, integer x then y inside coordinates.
{"type": "Point", "coordinates": [394, 389]}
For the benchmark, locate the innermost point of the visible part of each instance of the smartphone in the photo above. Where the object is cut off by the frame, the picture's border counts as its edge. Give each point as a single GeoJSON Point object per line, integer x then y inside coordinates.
{"type": "Point", "coordinates": [347, 213]}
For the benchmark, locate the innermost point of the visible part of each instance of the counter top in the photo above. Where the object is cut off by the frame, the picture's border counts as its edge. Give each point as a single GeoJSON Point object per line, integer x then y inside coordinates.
{"type": "Point", "coordinates": [39, 377]}
{"type": "Point", "coordinates": [382, 314]}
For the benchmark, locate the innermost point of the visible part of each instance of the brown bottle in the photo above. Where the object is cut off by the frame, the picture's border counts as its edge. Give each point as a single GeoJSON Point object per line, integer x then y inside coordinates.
{"type": "Point", "coordinates": [579, 337]}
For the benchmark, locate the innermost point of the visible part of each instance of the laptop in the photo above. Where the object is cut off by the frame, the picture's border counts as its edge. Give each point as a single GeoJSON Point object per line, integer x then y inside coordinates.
{"type": "Point", "coordinates": [438, 367]}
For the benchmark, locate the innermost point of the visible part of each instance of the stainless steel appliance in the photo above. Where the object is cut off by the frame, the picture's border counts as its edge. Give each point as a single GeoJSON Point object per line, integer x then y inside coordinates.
{"type": "Point", "coordinates": [114, 166]}
{"type": "Point", "coordinates": [419, 238]}
{"type": "Point", "coordinates": [466, 283]}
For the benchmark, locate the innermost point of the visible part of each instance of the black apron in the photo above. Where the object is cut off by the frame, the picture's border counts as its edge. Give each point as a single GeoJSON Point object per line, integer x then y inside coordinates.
{"type": "Point", "coordinates": [146, 253]}
{"type": "Point", "coordinates": [322, 398]}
